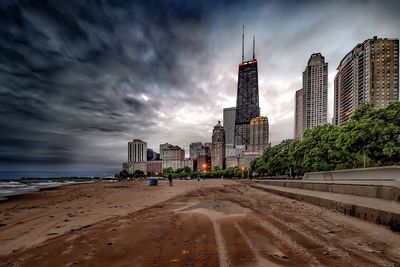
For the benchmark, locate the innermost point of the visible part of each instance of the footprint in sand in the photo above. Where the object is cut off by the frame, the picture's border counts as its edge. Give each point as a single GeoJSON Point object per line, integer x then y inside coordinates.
{"type": "Point", "coordinates": [52, 234]}
{"type": "Point", "coordinates": [67, 251]}
{"type": "Point", "coordinates": [71, 238]}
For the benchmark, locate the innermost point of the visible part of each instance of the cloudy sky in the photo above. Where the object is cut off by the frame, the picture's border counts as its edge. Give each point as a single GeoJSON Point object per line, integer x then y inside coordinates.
{"type": "Point", "coordinates": [79, 79]}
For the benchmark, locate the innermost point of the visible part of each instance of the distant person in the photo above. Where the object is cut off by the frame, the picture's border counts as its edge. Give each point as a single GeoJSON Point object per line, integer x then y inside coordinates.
{"type": "Point", "coordinates": [198, 178]}
{"type": "Point", "coordinates": [170, 179]}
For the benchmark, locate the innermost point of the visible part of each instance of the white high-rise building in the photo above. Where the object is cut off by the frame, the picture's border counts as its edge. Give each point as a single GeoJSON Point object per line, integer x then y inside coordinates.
{"type": "Point", "coordinates": [137, 151]}
{"type": "Point", "coordinates": [137, 156]}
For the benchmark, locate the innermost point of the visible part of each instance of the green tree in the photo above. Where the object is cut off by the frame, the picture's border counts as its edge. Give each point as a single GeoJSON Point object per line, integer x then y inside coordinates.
{"type": "Point", "coordinates": [217, 168]}
{"type": "Point", "coordinates": [138, 174]}
{"type": "Point", "coordinates": [274, 160]}
{"type": "Point", "coordinates": [318, 148]}
{"type": "Point", "coordinates": [373, 135]}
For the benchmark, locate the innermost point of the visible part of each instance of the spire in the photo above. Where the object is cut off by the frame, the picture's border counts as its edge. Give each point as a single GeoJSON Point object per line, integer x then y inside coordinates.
{"type": "Point", "coordinates": [254, 46]}
{"type": "Point", "coordinates": [243, 45]}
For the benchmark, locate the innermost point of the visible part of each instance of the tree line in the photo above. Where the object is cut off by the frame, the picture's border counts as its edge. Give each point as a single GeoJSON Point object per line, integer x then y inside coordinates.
{"type": "Point", "coordinates": [371, 137]}
{"type": "Point", "coordinates": [186, 172]}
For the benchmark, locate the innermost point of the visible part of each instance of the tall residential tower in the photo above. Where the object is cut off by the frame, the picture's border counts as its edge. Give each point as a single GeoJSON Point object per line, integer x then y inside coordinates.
{"type": "Point", "coordinates": [218, 146]}
{"type": "Point", "coordinates": [315, 92]}
{"type": "Point", "coordinates": [368, 73]}
{"type": "Point", "coordinates": [137, 151]}
{"type": "Point", "coordinates": [137, 157]}
{"type": "Point", "coordinates": [229, 127]}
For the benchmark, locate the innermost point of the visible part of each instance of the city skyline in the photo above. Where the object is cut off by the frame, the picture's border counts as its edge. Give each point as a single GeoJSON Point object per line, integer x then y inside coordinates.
{"type": "Point", "coordinates": [85, 87]}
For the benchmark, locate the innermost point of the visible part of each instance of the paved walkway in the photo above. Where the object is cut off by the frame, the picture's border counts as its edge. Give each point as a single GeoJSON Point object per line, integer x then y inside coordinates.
{"type": "Point", "coordinates": [368, 202]}
{"type": "Point", "coordinates": [352, 182]}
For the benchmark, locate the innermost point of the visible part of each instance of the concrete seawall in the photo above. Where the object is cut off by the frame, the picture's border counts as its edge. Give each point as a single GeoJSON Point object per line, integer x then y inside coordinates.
{"type": "Point", "coordinates": [389, 192]}
{"type": "Point", "coordinates": [389, 173]}
{"type": "Point", "coordinates": [369, 213]}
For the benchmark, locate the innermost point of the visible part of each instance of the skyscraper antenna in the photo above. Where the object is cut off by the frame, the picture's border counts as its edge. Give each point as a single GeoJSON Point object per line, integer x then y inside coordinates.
{"type": "Point", "coordinates": [243, 45]}
{"type": "Point", "coordinates": [254, 46]}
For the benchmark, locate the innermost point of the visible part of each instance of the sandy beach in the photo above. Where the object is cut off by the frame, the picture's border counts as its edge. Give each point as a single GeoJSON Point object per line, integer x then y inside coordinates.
{"type": "Point", "coordinates": [206, 223]}
{"type": "Point", "coordinates": [29, 219]}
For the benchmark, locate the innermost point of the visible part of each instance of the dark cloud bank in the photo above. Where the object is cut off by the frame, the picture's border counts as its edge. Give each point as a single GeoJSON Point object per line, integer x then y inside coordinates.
{"type": "Point", "coordinates": [72, 74]}
{"type": "Point", "coordinates": [78, 79]}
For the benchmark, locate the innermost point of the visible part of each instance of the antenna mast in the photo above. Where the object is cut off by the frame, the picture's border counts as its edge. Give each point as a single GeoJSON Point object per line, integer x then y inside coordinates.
{"type": "Point", "coordinates": [254, 46]}
{"type": "Point", "coordinates": [243, 45]}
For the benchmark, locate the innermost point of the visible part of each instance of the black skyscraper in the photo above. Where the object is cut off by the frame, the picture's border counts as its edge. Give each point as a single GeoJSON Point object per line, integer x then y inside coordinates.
{"type": "Point", "coordinates": [247, 104]}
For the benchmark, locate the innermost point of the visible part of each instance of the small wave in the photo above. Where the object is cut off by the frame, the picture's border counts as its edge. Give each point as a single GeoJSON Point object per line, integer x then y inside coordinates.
{"type": "Point", "coordinates": [11, 188]}
{"type": "Point", "coordinates": [11, 184]}
{"type": "Point", "coordinates": [4, 192]}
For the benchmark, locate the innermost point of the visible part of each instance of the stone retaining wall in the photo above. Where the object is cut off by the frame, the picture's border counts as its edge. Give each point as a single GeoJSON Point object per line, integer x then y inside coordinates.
{"type": "Point", "coordinates": [386, 218]}
{"type": "Point", "coordinates": [389, 173]}
{"type": "Point", "coordinates": [376, 191]}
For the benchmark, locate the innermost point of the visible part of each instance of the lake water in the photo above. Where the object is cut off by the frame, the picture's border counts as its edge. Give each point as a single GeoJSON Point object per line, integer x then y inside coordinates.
{"type": "Point", "coordinates": [12, 188]}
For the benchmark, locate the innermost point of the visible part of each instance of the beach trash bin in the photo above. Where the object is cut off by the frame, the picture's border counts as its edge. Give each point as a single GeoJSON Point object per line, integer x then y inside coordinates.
{"type": "Point", "coordinates": [153, 182]}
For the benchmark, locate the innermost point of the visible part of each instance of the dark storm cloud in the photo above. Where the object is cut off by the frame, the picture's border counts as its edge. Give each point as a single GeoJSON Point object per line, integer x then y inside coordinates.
{"type": "Point", "coordinates": [73, 70]}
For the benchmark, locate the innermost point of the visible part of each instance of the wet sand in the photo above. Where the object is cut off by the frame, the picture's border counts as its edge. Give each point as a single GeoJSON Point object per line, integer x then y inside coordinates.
{"type": "Point", "coordinates": [226, 224]}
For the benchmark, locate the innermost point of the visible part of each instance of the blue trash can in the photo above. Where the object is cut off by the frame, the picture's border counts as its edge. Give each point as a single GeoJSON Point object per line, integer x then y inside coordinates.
{"type": "Point", "coordinates": [153, 181]}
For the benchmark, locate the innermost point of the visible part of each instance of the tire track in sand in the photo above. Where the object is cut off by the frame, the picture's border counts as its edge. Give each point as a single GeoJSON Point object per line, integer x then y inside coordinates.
{"type": "Point", "coordinates": [295, 246]}
{"type": "Point", "coordinates": [261, 261]}
{"type": "Point", "coordinates": [216, 210]}
{"type": "Point", "coordinates": [223, 258]}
